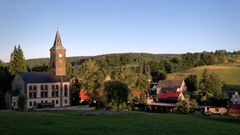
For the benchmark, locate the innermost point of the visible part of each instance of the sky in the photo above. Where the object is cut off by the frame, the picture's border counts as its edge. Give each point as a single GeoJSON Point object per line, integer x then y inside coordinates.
{"type": "Point", "coordinates": [95, 27]}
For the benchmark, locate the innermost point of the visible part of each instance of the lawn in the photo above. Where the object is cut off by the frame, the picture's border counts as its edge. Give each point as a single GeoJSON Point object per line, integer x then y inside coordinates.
{"type": "Point", "coordinates": [140, 123]}
{"type": "Point", "coordinates": [229, 73]}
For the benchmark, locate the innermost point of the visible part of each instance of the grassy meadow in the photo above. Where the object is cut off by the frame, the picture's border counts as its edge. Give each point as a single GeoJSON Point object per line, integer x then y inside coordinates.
{"type": "Point", "coordinates": [129, 123]}
{"type": "Point", "coordinates": [229, 73]}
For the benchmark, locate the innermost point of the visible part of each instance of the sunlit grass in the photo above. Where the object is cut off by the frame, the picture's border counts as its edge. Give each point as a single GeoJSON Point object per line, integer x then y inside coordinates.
{"type": "Point", "coordinates": [78, 123]}
{"type": "Point", "coordinates": [229, 73]}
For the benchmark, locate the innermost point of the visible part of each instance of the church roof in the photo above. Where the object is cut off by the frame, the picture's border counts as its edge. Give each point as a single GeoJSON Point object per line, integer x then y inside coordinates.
{"type": "Point", "coordinates": [57, 45]}
{"type": "Point", "coordinates": [41, 77]}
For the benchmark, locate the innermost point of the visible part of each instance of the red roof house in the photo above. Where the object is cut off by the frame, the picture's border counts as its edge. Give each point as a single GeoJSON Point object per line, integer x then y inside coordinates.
{"type": "Point", "coordinates": [170, 97]}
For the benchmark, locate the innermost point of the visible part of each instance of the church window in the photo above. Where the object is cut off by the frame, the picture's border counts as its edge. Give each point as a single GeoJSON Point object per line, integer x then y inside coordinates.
{"type": "Point", "coordinates": [46, 87]}
{"type": "Point", "coordinates": [53, 87]}
{"type": "Point", "coordinates": [56, 93]}
{"type": "Point", "coordinates": [30, 94]}
{"type": "Point", "coordinates": [53, 93]}
{"type": "Point", "coordinates": [65, 92]}
{"type": "Point", "coordinates": [30, 87]}
{"type": "Point", "coordinates": [65, 87]}
{"type": "Point", "coordinates": [46, 93]}
{"type": "Point", "coordinates": [34, 93]}
{"type": "Point", "coordinates": [42, 93]}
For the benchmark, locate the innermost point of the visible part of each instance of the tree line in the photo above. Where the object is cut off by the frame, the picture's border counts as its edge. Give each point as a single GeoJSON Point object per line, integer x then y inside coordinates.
{"type": "Point", "coordinates": [135, 70]}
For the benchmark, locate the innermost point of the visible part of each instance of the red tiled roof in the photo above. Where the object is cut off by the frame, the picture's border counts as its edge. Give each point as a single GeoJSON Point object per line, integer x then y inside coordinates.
{"type": "Point", "coordinates": [168, 95]}
{"type": "Point", "coordinates": [234, 109]}
{"type": "Point", "coordinates": [169, 84]}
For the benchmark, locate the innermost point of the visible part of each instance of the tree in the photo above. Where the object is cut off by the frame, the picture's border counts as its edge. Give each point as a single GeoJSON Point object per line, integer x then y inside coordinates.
{"type": "Point", "coordinates": [75, 89]}
{"type": "Point", "coordinates": [116, 92]}
{"type": "Point", "coordinates": [210, 87]}
{"type": "Point", "coordinates": [17, 61]}
{"type": "Point", "coordinates": [158, 75]}
{"type": "Point", "coordinates": [192, 83]}
{"type": "Point", "coordinates": [2, 101]}
{"type": "Point", "coordinates": [21, 102]}
{"type": "Point", "coordinates": [187, 105]}
{"type": "Point", "coordinates": [91, 78]}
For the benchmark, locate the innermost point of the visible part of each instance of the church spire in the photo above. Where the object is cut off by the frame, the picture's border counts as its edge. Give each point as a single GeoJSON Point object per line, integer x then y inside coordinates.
{"type": "Point", "coordinates": [58, 57]}
{"type": "Point", "coordinates": [57, 45]}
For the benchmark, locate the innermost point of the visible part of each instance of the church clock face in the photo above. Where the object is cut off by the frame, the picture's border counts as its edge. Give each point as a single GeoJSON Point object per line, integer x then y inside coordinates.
{"type": "Point", "coordinates": [60, 55]}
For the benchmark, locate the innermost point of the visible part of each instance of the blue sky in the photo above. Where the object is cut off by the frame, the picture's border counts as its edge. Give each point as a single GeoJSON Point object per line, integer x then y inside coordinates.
{"type": "Point", "coordinates": [94, 27]}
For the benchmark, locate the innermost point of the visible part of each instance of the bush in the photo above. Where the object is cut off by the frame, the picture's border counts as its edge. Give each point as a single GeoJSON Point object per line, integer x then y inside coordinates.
{"type": "Point", "coordinates": [21, 102]}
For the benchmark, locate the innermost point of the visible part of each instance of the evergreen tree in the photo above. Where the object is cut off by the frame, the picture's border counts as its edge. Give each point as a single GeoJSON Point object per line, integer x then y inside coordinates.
{"type": "Point", "coordinates": [17, 61]}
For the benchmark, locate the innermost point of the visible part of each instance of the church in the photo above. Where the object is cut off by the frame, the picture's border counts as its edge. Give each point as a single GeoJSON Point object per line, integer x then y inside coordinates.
{"type": "Point", "coordinates": [44, 89]}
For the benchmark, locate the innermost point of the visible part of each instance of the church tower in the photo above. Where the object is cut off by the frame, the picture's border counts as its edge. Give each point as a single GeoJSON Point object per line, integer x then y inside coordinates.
{"type": "Point", "coordinates": [58, 57]}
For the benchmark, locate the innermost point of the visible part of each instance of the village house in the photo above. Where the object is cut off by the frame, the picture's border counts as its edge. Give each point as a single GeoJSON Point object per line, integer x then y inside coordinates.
{"type": "Point", "coordinates": [168, 93]}
{"type": "Point", "coordinates": [235, 98]}
{"type": "Point", "coordinates": [44, 88]}
{"type": "Point", "coordinates": [234, 106]}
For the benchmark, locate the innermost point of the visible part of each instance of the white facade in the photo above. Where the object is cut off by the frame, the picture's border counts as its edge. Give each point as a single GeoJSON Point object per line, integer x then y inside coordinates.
{"type": "Point", "coordinates": [37, 93]}
{"type": "Point", "coordinates": [235, 99]}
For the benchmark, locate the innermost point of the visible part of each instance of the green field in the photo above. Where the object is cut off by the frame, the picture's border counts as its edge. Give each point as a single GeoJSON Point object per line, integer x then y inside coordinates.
{"type": "Point", "coordinates": [229, 73]}
{"type": "Point", "coordinates": [98, 123]}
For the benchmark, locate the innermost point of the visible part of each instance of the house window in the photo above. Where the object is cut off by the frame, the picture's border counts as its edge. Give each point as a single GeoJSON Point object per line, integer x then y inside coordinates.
{"type": "Point", "coordinates": [34, 103]}
{"type": "Point", "coordinates": [41, 101]}
{"type": "Point", "coordinates": [46, 87]}
{"type": "Point", "coordinates": [41, 87]}
{"type": "Point", "coordinates": [53, 101]}
{"type": "Point", "coordinates": [30, 103]}
{"type": "Point", "coordinates": [207, 108]}
{"type": "Point", "coordinates": [56, 101]}
{"type": "Point", "coordinates": [45, 101]}
{"type": "Point", "coordinates": [14, 103]}
{"type": "Point", "coordinates": [57, 87]}
{"type": "Point", "coordinates": [217, 109]}
{"type": "Point", "coordinates": [34, 87]}
{"type": "Point", "coordinates": [65, 101]}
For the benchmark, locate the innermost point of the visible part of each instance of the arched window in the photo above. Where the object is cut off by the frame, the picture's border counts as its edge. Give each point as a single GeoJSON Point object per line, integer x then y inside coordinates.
{"type": "Point", "coordinates": [30, 87]}
{"type": "Point", "coordinates": [65, 90]}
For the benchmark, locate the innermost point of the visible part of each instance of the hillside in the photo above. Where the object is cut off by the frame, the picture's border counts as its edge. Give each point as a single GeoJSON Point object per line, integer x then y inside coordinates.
{"type": "Point", "coordinates": [77, 60]}
{"type": "Point", "coordinates": [229, 73]}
